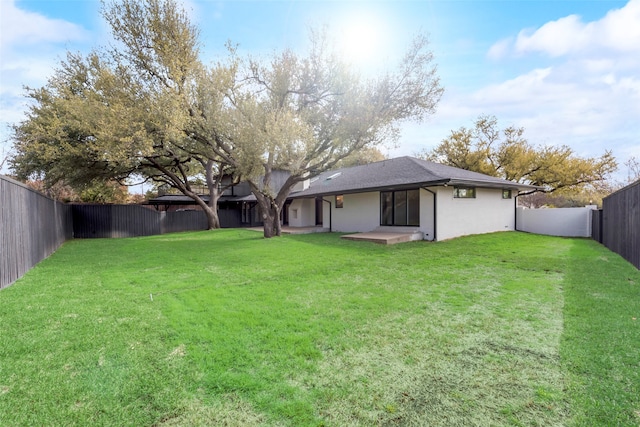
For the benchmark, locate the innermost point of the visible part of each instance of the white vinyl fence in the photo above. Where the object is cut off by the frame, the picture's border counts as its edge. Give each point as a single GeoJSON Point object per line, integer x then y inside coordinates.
{"type": "Point", "coordinates": [567, 222]}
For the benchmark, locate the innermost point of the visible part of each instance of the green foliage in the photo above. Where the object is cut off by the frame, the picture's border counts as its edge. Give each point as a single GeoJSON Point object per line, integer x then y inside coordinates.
{"type": "Point", "coordinates": [227, 328]}
{"type": "Point", "coordinates": [118, 113]}
{"type": "Point", "coordinates": [105, 192]}
{"type": "Point", "coordinates": [150, 107]}
{"type": "Point", "coordinates": [304, 113]}
{"type": "Point", "coordinates": [361, 157]}
{"type": "Point", "coordinates": [505, 153]}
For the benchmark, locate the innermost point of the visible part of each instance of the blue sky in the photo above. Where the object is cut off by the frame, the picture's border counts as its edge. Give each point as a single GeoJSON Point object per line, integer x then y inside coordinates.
{"type": "Point", "coordinates": [566, 71]}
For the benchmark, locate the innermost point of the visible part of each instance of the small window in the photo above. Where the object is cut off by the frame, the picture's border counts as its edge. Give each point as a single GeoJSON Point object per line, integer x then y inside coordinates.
{"type": "Point", "coordinates": [339, 201]}
{"type": "Point", "coordinates": [464, 192]}
{"type": "Point", "coordinates": [506, 194]}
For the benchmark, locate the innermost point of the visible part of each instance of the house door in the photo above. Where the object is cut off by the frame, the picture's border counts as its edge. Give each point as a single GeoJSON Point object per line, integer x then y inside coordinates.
{"type": "Point", "coordinates": [285, 213]}
{"type": "Point", "coordinates": [319, 209]}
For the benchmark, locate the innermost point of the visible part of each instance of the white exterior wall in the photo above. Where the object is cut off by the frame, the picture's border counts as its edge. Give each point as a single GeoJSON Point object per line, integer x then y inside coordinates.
{"type": "Point", "coordinates": [568, 222]}
{"type": "Point", "coordinates": [302, 213]}
{"type": "Point", "coordinates": [487, 213]}
{"type": "Point", "coordinates": [361, 212]}
{"type": "Point", "coordinates": [302, 185]}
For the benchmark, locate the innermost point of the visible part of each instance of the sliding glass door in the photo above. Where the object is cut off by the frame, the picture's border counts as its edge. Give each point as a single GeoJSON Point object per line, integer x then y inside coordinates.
{"type": "Point", "coordinates": [400, 207]}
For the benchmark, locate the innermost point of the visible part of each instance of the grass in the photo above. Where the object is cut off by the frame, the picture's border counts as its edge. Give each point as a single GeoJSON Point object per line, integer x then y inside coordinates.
{"type": "Point", "coordinates": [227, 328]}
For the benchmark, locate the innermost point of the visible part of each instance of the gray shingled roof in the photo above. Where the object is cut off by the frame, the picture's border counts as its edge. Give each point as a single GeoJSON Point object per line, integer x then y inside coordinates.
{"type": "Point", "coordinates": [180, 199]}
{"type": "Point", "coordinates": [399, 173]}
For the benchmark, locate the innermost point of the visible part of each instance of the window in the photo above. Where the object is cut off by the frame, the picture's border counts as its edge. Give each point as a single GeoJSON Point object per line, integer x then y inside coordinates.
{"type": "Point", "coordinates": [339, 201]}
{"type": "Point", "coordinates": [400, 207]}
{"type": "Point", "coordinates": [464, 192]}
{"type": "Point", "coordinates": [246, 213]}
{"type": "Point", "coordinates": [506, 194]}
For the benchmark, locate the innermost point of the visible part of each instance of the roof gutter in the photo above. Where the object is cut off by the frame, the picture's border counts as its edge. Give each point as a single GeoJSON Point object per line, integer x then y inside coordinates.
{"type": "Point", "coordinates": [305, 195]}
{"type": "Point", "coordinates": [486, 184]}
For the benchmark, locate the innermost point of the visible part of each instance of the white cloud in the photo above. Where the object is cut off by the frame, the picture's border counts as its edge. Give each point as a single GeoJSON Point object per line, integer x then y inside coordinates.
{"type": "Point", "coordinates": [500, 49]}
{"type": "Point", "coordinates": [20, 27]}
{"type": "Point", "coordinates": [555, 38]}
{"type": "Point", "coordinates": [559, 105]}
{"type": "Point", "coordinates": [555, 108]}
{"type": "Point", "coordinates": [620, 28]}
{"type": "Point", "coordinates": [31, 44]}
{"type": "Point", "coordinates": [587, 96]}
{"type": "Point", "coordinates": [617, 32]}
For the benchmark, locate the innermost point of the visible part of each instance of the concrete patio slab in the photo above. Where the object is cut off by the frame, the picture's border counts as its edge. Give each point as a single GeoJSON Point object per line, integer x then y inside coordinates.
{"type": "Point", "coordinates": [296, 230]}
{"type": "Point", "coordinates": [385, 238]}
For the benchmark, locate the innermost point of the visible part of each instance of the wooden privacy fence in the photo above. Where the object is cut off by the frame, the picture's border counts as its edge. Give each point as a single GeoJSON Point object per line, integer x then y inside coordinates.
{"type": "Point", "coordinates": [618, 224]}
{"type": "Point", "coordinates": [32, 227]}
{"type": "Point", "coordinates": [106, 221]}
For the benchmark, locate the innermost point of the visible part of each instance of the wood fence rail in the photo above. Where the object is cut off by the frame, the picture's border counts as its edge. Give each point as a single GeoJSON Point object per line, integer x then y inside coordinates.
{"type": "Point", "coordinates": [32, 227]}
{"type": "Point", "coordinates": [621, 223]}
{"type": "Point", "coordinates": [109, 221]}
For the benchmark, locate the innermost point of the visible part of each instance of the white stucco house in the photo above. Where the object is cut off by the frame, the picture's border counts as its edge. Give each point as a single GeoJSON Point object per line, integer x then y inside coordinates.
{"type": "Point", "coordinates": [434, 201]}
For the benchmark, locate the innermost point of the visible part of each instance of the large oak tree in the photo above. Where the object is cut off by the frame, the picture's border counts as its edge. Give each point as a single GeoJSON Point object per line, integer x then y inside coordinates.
{"type": "Point", "coordinates": [150, 107]}
{"type": "Point", "coordinates": [507, 154]}
{"type": "Point", "coordinates": [305, 113]}
{"type": "Point", "coordinates": [121, 112]}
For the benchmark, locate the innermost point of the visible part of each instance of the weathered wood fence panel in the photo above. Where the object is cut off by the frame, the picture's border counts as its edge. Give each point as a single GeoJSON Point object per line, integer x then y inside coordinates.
{"type": "Point", "coordinates": [621, 223]}
{"type": "Point", "coordinates": [228, 217]}
{"type": "Point", "coordinates": [32, 227]}
{"type": "Point", "coordinates": [596, 225]}
{"type": "Point", "coordinates": [109, 221]}
{"type": "Point", "coordinates": [173, 222]}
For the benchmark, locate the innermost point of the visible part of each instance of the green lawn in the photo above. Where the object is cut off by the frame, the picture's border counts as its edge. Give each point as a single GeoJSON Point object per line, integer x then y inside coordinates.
{"type": "Point", "coordinates": [227, 328]}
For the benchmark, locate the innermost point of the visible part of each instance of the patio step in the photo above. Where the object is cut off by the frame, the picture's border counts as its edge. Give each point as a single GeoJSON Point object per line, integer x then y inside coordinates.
{"type": "Point", "coordinates": [385, 238]}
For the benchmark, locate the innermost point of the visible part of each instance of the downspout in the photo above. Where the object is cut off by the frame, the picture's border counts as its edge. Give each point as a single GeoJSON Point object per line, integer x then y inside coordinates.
{"type": "Point", "coordinates": [327, 201]}
{"type": "Point", "coordinates": [515, 211]}
{"type": "Point", "coordinates": [435, 217]}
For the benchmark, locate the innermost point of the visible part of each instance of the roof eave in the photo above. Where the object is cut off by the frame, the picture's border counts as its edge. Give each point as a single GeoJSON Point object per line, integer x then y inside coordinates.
{"type": "Point", "coordinates": [508, 185]}
{"type": "Point", "coordinates": [370, 189]}
{"type": "Point", "coordinates": [434, 183]}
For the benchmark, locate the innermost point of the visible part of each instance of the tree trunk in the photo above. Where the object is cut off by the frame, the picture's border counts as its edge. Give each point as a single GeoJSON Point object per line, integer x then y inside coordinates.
{"type": "Point", "coordinates": [268, 224]}
{"type": "Point", "coordinates": [213, 220]}
{"type": "Point", "coordinates": [277, 224]}
{"type": "Point", "coordinates": [270, 217]}
{"type": "Point", "coordinates": [270, 207]}
{"type": "Point", "coordinates": [211, 209]}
